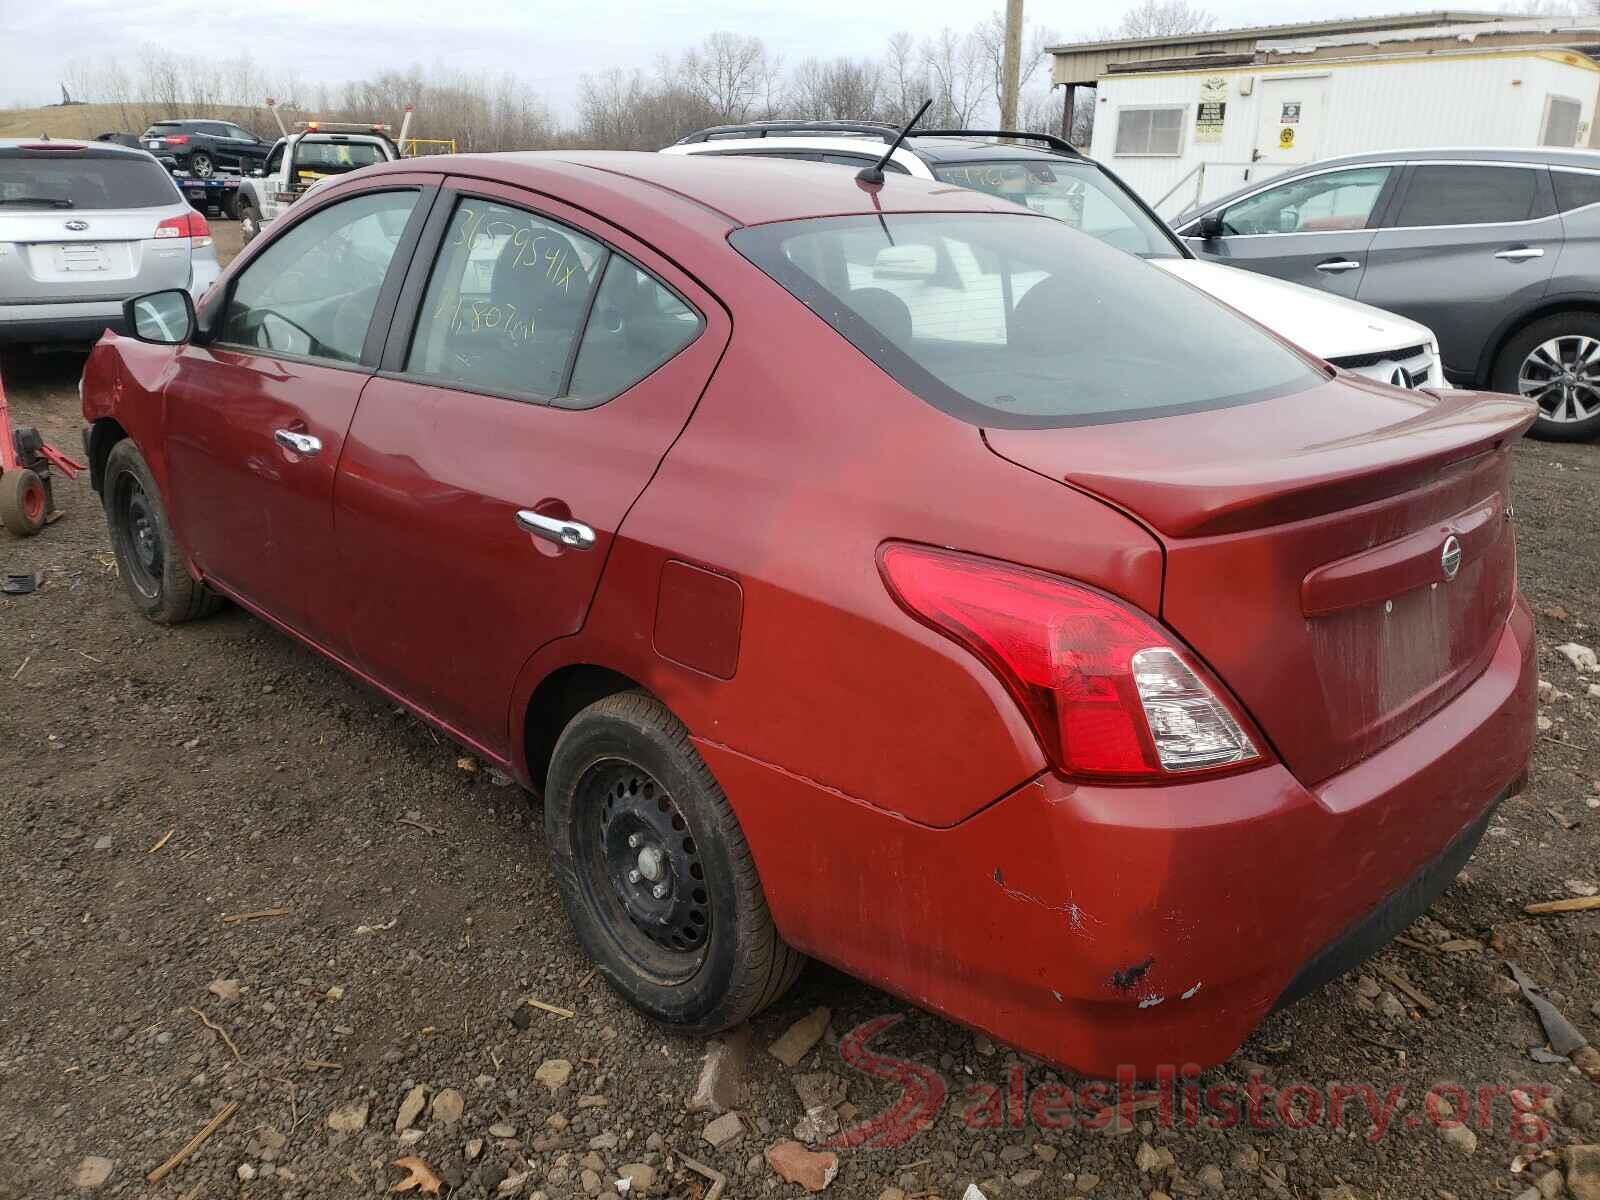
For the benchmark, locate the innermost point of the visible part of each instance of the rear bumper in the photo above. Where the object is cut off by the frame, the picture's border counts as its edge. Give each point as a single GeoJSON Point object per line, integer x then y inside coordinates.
{"type": "Point", "coordinates": [77, 322]}
{"type": "Point", "coordinates": [86, 320]}
{"type": "Point", "coordinates": [1101, 927]}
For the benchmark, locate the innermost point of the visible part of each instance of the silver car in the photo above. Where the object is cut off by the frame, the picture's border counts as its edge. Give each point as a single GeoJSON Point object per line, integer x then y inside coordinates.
{"type": "Point", "coordinates": [83, 227]}
{"type": "Point", "coordinates": [1497, 251]}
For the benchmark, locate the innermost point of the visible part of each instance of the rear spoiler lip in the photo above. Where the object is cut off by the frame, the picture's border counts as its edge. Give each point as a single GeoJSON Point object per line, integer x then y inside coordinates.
{"type": "Point", "coordinates": [1208, 500]}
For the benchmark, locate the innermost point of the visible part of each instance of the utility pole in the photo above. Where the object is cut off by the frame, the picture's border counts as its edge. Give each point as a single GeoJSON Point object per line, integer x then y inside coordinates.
{"type": "Point", "coordinates": [1011, 65]}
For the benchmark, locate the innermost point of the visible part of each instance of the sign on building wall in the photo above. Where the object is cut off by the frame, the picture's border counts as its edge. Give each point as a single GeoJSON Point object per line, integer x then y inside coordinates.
{"type": "Point", "coordinates": [1212, 109]}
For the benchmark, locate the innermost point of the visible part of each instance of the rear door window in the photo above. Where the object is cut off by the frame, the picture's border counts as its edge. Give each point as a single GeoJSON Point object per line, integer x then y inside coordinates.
{"type": "Point", "coordinates": [1576, 189]}
{"type": "Point", "coordinates": [1466, 194]}
{"type": "Point", "coordinates": [123, 181]}
{"type": "Point", "coordinates": [635, 326]}
{"type": "Point", "coordinates": [505, 302]}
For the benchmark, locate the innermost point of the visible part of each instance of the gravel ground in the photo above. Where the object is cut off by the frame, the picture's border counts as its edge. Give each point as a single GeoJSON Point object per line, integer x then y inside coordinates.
{"type": "Point", "coordinates": [158, 783]}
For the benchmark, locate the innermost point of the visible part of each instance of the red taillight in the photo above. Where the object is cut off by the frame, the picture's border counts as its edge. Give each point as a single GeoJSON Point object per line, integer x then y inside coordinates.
{"type": "Point", "coordinates": [1109, 693]}
{"type": "Point", "coordinates": [175, 139]}
{"type": "Point", "coordinates": [191, 225]}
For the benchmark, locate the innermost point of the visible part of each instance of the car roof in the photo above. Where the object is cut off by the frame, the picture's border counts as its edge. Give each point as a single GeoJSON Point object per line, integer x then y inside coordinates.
{"type": "Point", "coordinates": [740, 190]}
{"type": "Point", "coordinates": [1536, 155]}
{"type": "Point", "coordinates": [78, 149]}
{"type": "Point", "coordinates": [931, 148]}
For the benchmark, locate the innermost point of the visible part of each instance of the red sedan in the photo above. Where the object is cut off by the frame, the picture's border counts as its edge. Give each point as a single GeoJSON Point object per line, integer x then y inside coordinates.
{"type": "Point", "coordinates": [882, 573]}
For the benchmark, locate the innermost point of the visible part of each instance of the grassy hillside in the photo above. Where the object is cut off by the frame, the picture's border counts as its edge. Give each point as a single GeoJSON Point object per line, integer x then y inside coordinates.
{"type": "Point", "coordinates": [87, 120]}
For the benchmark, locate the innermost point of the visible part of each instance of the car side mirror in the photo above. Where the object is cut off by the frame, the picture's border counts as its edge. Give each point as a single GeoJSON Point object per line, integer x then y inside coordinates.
{"type": "Point", "coordinates": [162, 318]}
{"type": "Point", "coordinates": [258, 173]}
{"type": "Point", "coordinates": [1209, 227]}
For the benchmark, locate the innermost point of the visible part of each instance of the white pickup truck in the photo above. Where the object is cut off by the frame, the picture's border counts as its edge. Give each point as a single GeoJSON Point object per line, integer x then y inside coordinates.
{"type": "Point", "coordinates": [299, 161]}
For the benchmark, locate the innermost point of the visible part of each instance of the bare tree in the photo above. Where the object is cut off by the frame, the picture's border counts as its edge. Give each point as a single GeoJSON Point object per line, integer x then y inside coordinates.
{"type": "Point", "coordinates": [990, 36]}
{"type": "Point", "coordinates": [954, 62]}
{"type": "Point", "coordinates": [1161, 18]}
{"type": "Point", "coordinates": [842, 89]}
{"type": "Point", "coordinates": [906, 82]}
{"type": "Point", "coordinates": [730, 72]}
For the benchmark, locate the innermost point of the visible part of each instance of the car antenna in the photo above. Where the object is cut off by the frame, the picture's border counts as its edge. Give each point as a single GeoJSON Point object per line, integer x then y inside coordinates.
{"type": "Point", "coordinates": [874, 173]}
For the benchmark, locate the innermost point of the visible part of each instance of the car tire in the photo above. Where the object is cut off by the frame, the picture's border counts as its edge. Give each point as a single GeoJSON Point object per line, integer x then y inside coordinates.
{"type": "Point", "coordinates": [655, 873]}
{"type": "Point", "coordinates": [23, 502]}
{"type": "Point", "coordinates": [1536, 361]}
{"type": "Point", "coordinates": [201, 165]}
{"type": "Point", "coordinates": [153, 567]}
{"type": "Point", "coordinates": [249, 219]}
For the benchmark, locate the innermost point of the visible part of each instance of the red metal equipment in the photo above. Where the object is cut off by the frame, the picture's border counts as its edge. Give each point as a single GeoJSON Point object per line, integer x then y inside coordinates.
{"type": "Point", "coordinates": [27, 501]}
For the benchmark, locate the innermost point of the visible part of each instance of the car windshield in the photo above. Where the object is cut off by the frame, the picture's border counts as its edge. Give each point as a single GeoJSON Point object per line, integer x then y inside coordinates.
{"type": "Point", "coordinates": [1014, 321]}
{"type": "Point", "coordinates": [1081, 194]}
{"type": "Point", "coordinates": [126, 181]}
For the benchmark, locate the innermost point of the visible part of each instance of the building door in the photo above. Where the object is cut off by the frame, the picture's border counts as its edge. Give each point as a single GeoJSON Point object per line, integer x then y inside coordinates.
{"type": "Point", "coordinates": [1291, 119]}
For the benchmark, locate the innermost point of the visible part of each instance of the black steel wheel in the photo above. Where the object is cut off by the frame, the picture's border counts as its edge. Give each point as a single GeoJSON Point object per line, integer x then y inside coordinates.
{"type": "Point", "coordinates": [655, 873]}
{"type": "Point", "coordinates": [639, 865]}
{"type": "Point", "coordinates": [152, 565]}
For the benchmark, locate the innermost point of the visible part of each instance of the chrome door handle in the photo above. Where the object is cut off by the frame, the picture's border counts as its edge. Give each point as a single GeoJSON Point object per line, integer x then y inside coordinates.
{"type": "Point", "coordinates": [575, 535]}
{"type": "Point", "coordinates": [1521, 253]}
{"type": "Point", "coordinates": [1339, 264]}
{"type": "Point", "coordinates": [302, 444]}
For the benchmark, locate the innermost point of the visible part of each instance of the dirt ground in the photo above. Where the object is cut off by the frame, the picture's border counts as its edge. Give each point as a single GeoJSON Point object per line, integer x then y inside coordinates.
{"type": "Point", "coordinates": [156, 782]}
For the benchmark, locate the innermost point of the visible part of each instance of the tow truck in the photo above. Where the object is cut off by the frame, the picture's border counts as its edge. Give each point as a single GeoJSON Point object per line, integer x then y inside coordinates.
{"type": "Point", "coordinates": [299, 160]}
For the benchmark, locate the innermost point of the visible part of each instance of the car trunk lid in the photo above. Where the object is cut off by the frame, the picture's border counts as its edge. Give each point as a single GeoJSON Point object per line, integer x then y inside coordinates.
{"type": "Point", "coordinates": [116, 253]}
{"type": "Point", "coordinates": [86, 224]}
{"type": "Point", "coordinates": [1306, 545]}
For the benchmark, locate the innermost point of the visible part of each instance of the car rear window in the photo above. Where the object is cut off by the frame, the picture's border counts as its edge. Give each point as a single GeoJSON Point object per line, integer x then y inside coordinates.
{"type": "Point", "coordinates": [1017, 322]}
{"type": "Point", "coordinates": [1081, 194]}
{"type": "Point", "coordinates": [76, 181]}
{"type": "Point", "coordinates": [335, 158]}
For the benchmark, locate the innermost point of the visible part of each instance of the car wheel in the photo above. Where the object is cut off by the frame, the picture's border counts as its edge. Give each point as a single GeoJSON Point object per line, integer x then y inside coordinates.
{"type": "Point", "coordinates": [1556, 362]}
{"type": "Point", "coordinates": [249, 219]}
{"type": "Point", "coordinates": [201, 166]}
{"type": "Point", "coordinates": [655, 873]}
{"type": "Point", "coordinates": [153, 566]}
{"type": "Point", "coordinates": [22, 502]}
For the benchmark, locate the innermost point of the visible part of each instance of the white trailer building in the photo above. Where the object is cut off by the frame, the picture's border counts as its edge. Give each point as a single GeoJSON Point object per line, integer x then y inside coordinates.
{"type": "Point", "coordinates": [1189, 117]}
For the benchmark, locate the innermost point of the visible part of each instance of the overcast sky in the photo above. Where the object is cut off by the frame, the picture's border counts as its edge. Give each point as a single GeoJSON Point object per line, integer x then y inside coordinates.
{"type": "Point", "coordinates": [548, 44]}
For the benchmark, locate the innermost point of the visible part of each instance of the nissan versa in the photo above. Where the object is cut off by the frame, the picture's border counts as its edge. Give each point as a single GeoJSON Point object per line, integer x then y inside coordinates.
{"type": "Point", "coordinates": [1054, 648]}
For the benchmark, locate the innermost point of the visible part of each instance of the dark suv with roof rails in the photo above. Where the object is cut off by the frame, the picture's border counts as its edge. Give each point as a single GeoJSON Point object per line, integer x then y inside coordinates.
{"type": "Point", "coordinates": [204, 148]}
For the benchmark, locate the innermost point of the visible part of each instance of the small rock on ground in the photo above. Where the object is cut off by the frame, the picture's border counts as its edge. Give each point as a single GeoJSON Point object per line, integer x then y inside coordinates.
{"type": "Point", "coordinates": [793, 1163]}
{"type": "Point", "coordinates": [349, 1118]}
{"type": "Point", "coordinates": [724, 1131]}
{"type": "Point", "coordinates": [800, 1037]}
{"type": "Point", "coordinates": [92, 1173]}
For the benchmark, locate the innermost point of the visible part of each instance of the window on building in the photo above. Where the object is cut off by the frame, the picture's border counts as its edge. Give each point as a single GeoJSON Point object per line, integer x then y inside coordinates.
{"type": "Point", "coordinates": [1155, 130]}
{"type": "Point", "coordinates": [1561, 117]}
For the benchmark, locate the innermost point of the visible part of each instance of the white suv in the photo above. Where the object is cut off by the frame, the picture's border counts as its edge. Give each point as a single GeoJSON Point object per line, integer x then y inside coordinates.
{"type": "Point", "coordinates": [1051, 177]}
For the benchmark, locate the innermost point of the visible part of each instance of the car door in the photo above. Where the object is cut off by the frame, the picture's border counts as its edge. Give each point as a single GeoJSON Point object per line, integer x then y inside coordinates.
{"type": "Point", "coordinates": [1467, 243]}
{"type": "Point", "coordinates": [257, 415]}
{"type": "Point", "coordinates": [244, 148]}
{"type": "Point", "coordinates": [489, 467]}
{"type": "Point", "coordinates": [1314, 229]}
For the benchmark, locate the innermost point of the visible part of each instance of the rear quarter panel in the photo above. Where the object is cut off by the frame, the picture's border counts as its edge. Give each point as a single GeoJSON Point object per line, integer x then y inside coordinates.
{"type": "Point", "coordinates": [801, 460]}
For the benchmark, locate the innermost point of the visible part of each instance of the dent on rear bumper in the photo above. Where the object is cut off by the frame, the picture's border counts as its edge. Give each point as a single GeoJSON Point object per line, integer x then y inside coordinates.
{"type": "Point", "coordinates": [1102, 927]}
